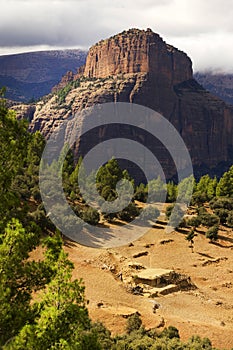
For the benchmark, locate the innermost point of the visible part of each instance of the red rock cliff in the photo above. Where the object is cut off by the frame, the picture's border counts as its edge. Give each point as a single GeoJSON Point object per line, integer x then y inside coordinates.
{"type": "Point", "coordinates": [138, 51]}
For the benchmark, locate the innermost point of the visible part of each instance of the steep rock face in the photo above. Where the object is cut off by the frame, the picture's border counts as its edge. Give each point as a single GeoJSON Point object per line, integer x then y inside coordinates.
{"type": "Point", "coordinates": [139, 67]}
{"type": "Point", "coordinates": [206, 124]}
{"type": "Point", "coordinates": [138, 51]}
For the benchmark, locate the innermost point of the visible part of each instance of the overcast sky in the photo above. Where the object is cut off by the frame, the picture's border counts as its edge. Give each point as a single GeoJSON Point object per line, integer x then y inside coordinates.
{"type": "Point", "coordinates": [201, 28]}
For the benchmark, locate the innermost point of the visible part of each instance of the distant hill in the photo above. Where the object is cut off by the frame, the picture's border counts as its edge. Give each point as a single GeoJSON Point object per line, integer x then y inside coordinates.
{"type": "Point", "coordinates": [31, 75]}
{"type": "Point", "coordinates": [220, 85]}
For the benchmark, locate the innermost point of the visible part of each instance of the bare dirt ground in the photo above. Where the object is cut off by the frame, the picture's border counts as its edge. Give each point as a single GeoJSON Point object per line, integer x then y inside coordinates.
{"type": "Point", "coordinates": [207, 310]}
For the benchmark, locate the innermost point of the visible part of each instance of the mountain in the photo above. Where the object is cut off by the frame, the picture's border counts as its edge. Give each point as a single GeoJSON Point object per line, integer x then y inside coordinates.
{"type": "Point", "coordinates": [137, 66]}
{"type": "Point", "coordinates": [31, 75]}
{"type": "Point", "coordinates": [220, 85]}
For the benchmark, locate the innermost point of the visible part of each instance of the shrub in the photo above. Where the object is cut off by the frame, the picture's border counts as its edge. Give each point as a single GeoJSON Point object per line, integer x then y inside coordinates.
{"type": "Point", "coordinates": [201, 210]}
{"type": "Point", "coordinates": [169, 210]}
{"type": "Point", "coordinates": [108, 193]}
{"type": "Point", "coordinates": [170, 333]}
{"type": "Point", "coordinates": [212, 233]}
{"type": "Point", "coordinates": [230, 219]}
{"type": "Point", "coordinates": [225, 203]}
{"type": "Point", "coordinates": [129, 213]}
{"type": "Point", "coordinates": [134, 322]}
{"type": "Point", "coordinates": [157, 190]}
{"type": "Point", "coordinates": [150, 213]}
{"type": "Point", "coordinates": [222, 214]}
{"type": "Point", "coordinates": [177, 215]}
{"type": "Point", "coordinates": [199, 198]}
{"type": "Point", "coordinates": [91, 216]}
{"type": "Point", "coordinates": [183, 223]}
{"type": "Point", "coordinates": [196, 343]}
{"type": "Point", "coordinates": [141, 193]}
{"type": "Point", "coordinates": [194, 221]}
{"type": "Point", "coordinates": [171, 192]}
{"type": "Point", "coordinates": [104, 336]}
{"type": "Point", "coordinates": [209, 220]}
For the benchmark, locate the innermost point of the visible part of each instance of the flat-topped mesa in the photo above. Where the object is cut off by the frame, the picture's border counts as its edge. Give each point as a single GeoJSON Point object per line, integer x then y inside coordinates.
{"type": "Point", "coordinates": [138, 51]}
{"type": "Point", "coordinates": [140, 68]}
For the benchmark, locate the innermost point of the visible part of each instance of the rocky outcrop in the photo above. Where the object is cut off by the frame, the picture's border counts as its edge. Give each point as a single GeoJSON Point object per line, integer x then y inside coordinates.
{"type": "Point", "coordinates": [67, 78]}
{"type": "Point", "coordinates": [139, 67]}
{"type": "Point", "coordinates": [23, 111]}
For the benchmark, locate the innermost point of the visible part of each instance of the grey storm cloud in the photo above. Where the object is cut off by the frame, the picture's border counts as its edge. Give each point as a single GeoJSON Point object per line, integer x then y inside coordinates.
{"type": "Point", "coordinates": [203, 29]}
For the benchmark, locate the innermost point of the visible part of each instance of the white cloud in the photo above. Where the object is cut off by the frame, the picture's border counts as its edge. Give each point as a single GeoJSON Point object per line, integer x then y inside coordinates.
{"type": "Point", "coordinates": [209, 52]}
{"type": "Point", "coordinates": [204, 29]}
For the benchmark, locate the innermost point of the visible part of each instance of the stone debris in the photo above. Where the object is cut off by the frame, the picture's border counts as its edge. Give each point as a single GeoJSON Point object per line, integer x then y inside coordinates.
{"type": "Point", "coordinates": [158, 282]}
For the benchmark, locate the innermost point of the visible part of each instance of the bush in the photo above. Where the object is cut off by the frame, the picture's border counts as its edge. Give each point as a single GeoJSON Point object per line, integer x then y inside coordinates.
{"type": "Point", "coordinates": [157, 190]}
{"type": "Point", "coordinates": [225, 203]}
{"type": "Point", "coordinates": [194, 221]}
{"type": "Point", "coordinates": [104, 336]}
{"type": "Point", "coordinates": [177, 215]}
{"type": "Point", "coordinates": [91, 216]}
{"type": "Point", "coordinates": [150, 213]}
{"type": "Point", "coordinates": [230, 219]}
{"type": "Point", "coordinates": [190, 236]}
{"type": "Point", "coordinates": [73, 196]}
{"type": "Point", "coordinates": [222, 214]}
{"type": "Point", "coordinates": [209, 220]}
{"type": "Point", "coordinates": [196, 343]}
{"type": "Point", "coordinates": [134, 322]}
{"type": "Point", "coordinates": [183, 223]}
{"type": "Point", "coordinates": [36, 194]}
{"type": "Point", "coordinates": [199, 198]}
{"type": "Point", "coordinates": [170, 333]}
{"type": "Point", "coordinates": [129, 213]}
{"type": "Point", "coordinates": [108, 193]}
{"type": "Point", "coordinates": [171, 192]}
{"type": "Point", "coordinates": [201, 210]}
{"type": "Point", "coordinates": [212, 233]}
{"type": "Point", "coordinates": [169, 210]}
{"type": "Point", "coordinates": [141, 193]}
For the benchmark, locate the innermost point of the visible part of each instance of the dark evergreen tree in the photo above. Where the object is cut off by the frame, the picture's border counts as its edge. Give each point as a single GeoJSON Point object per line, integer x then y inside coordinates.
{"type": "Point", "coordinates": [225, 185]}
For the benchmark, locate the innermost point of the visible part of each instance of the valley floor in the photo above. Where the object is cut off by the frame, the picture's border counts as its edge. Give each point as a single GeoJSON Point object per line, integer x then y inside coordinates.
{"type": "Point", "coordinates": [206, 310]}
